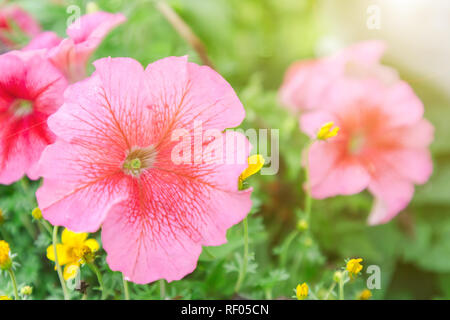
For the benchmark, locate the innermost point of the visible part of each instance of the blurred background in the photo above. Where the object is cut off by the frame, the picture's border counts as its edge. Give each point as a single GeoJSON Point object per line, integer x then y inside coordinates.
{"type": "Point", "coordinates": [251, 43]}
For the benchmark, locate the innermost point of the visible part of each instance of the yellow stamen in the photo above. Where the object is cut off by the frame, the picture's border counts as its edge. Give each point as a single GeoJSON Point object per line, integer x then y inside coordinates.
{"type": "Point", "coordinates": [326, 131]}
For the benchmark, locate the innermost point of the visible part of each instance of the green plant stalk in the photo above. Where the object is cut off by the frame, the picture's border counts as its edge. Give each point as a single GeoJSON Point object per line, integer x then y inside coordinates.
{"type": "Point", "coordinates": [28, 226]}
{"type": "Point", "coordinates": [14, 283]}
{"type": "Point", "coordinates": [330, 290]}
{"type": "Point", "coordinates": [126, 293]}
{"type": "Point", "coordinates": [184, 30]}
{"type": "Point", "coordinates": [46, 225]}
{"type": "Point", "coordinates": [58, 267]}
{"type": "Point", "coordinates": [162, 289]}
{"type": "Point", "coordinates": [308, 198]}
{"type": "Point", "coordinates": [341, 286]}
{"type": "Point", "coordinates": [97, 272]}
{"type": "Point", "coordinates": [268, 292]}
{"type": "Point", "coordinates": [243, 270]}
{"type": "Point", "coordinates": [287, 243]}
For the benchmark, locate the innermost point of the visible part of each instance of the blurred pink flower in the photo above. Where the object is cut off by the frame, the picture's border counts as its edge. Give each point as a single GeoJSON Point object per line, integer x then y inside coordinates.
{"type": "Point", "coordinates": [71, 54]}
{"type": "Point", "coordinates": [14, 19]}
{"type": "Point", "coordinates": [112, 166]}
{"type": "Point", "coordinates": [44, 40]}
{"type": "Point", "coordinates": [31, 89]}
{"type": "Point", "coordinates": [382, 144]}
{"type": "Point", "coordinates": [306, 81]}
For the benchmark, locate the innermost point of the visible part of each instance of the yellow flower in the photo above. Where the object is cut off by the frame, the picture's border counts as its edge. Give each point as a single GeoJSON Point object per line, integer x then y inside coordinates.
{"type": "Point", "coordinates": [366, 294]}
{"type": "Point", "coordinates": [36, 213]}
{"type": "Point", "coordinates": [255, 163]}
{"type": "Point", "coordinates": [5, 257]}
{"type": "Point", "coordinates": [302, 291]}
{"type": "Point", "coordinates": [326, 132]}
{"type": "Point", "coordinates": [354, 266]}
{"type": "Point", "coordinates": [26, 291]}
{"type": "Point", "coordinates": [74, 251]}
{"type": "Point", "coordinates": [5, 298]}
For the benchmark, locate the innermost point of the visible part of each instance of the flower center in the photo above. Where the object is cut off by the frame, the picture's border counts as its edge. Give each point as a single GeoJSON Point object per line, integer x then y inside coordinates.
{"type": "Point", "coordinates": [356, 143]}
{"type": "Point", "coordinates": [22, 108]}
{"type": "Point", "coordinates": [138, 160]}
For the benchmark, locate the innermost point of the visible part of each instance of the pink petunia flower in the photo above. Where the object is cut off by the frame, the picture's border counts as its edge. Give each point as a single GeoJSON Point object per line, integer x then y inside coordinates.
{"type": "Point", "coordinates": [112, 164]}
{"type": "Point", "coordinates": [71, 55]}
{"type": "Point", "coordinates": [14, 20]}
{"type": "Point", "coordinates": [307, 81]}
{"type": "Point", "coordinates": [44, 40]}
{"type": "Point", "coordinates": [31, 89]}
{"type": "Point", "coordinates": [382, 144]}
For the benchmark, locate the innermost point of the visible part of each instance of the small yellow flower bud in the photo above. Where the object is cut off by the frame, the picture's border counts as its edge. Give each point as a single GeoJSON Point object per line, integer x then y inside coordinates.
{"type": "Point", "coordinates": [302, 225]}
{"type": "Point", "coordinates": [26, 291]}
{"type": "Point", "coordinates": [5, 258]}
{"type": "Point", "coordinates": [5, 298]}
{"type": "Point", "coordinates": [36, 213]}
{"type": "Point", "coordinates": [255, 163]}
{"type": "Point", "coordinates": [354, 267]}
{"type": "Point", "coordinates": [302, 291]}
{"type": "Point", "coordinates": [92, 7]}
{"type": "Point", "coordinates": [337, 276]}
{"type": "Point", "coordinates": [326, 132]}
{"type": "Point", "coordinates": [366, 294]}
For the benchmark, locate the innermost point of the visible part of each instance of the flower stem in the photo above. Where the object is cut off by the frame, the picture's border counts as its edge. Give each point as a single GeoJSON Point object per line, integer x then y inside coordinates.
{"type": "Point", "coordinates": [46, 225]}
{"type": "Point", "coordinates": [330, 290]}
{"type": "Point", "coordinates": [341, 287]}
{"type": "Point", "coordinates": [308, 198]}
{"type": "Point", "coordinates": [97, 272]}
{"type": "Point", "coordinates": [162, 289]}
{"type": "Point", "coordinates": [243, 270]}
{"type": "Point", "coordinates": [14, 283]}
{"type": "Point", "coordinates": [58, 267]}
{"type": "Point", "coordinates": [126, 293]}
{"type": "Point", "coordinates": [286, 245]}
{"type": "Point", "coordinates": [184, 31]}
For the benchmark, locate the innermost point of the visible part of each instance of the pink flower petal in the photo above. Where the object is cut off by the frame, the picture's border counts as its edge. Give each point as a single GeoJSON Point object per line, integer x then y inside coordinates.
{"type": "Point", "coordinates": [392, 195]}
{"type": "Point", "coordinates": [331, 175]}
{"type": "Point", "coordinates": [408, 108]}
{"type": "Point", "coordinates": [27, 77]}
{"type": "Point", "coordinates": [195, 94]}
{"type": "Point", "coordinates": [85, 35]}
{"type": "Point", "coordinates": [91, 186]}
{"type": "Point", "coordinates": [44, 40]}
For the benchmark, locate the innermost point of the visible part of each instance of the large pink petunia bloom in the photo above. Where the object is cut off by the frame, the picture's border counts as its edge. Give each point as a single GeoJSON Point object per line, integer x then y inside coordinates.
{"type": "Point", "coordinates": [382, 144]}
{"type": "Point", "coordinates": [307, 81]}
{"type": "Point", "coordinates": [112, 164]}
{"type": "Point", "coordinates": [31, 89]}
{"type": "Point", "coordinates": [13, 20]}
{"type": "Point", "coordinates": [71, 54]}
